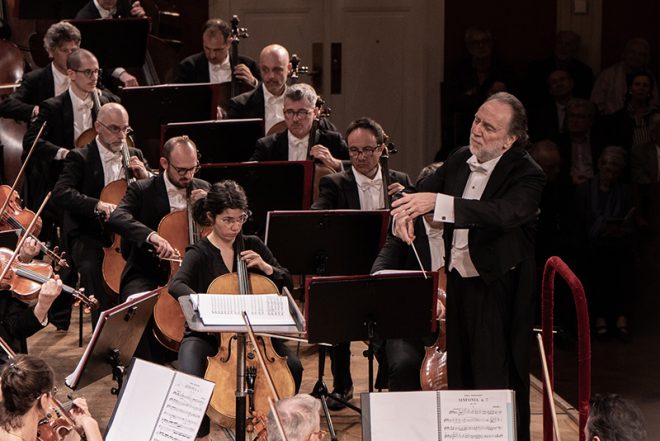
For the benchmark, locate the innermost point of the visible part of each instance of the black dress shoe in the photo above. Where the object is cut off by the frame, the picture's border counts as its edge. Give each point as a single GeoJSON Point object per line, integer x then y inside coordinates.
{"type": "Point", "coordinates": [346, 395]}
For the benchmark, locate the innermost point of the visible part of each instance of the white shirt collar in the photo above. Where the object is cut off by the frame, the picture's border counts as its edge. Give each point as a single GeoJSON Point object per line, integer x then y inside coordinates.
{"type": "Point", "coordinates": [269, 97]}
{"type": "Point", "coordinates": [361, 179]}
{"type": "Point", "coordinates": [171, 188]}
{"type": "Point", "coordinates": [225, 65]}
{"type": "Point", "coordinates": [104, 12]}
{"type": "Point", "coordinates": [61, 81]}
{"type": "Point", "coordinates": [78, 103]}
{"type": "Point", "coordinates": [107, 155]}
{"type": "Point", "coordinates": [486, 167]}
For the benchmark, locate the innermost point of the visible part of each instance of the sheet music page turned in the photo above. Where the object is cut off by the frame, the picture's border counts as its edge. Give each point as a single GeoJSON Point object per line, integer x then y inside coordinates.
{"type": "Point", "coordinates": [225, 309]}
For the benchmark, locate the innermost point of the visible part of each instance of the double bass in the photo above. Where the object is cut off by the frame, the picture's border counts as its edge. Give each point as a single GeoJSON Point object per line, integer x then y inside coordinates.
{"type": "Point", "coordinates": [223, 366]}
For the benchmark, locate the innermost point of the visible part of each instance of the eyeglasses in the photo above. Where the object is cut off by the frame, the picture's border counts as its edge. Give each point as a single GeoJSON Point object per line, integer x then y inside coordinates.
{"type": "Point", "coordinates": [366, 151]}
{"type": "Point", "coordinates": [229, 221]}
{"type": "Point", "coordinates": [302, 113]}
{"type": "Point", "coordinates": [87, 72]}
{"type": "Point", "coordinates": [181, 171]}
{"type": "Point", "coordinates": [115, 130]}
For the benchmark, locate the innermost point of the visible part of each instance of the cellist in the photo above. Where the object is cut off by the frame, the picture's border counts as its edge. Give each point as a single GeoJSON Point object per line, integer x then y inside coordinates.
{"type": "Point", "coordinates": [86, 171]}
{"type": "Point", "coordinates": [225, 209]}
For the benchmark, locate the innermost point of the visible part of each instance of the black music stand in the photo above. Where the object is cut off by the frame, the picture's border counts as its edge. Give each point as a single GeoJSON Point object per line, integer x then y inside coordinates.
{"type": "Point", "coordinates": [270, 185]}
{"type": "Point", "coordinates": [152, 106]}
{"type": "Point", "coordinates": [354, 308]}
{"type": "Point", "coordinates": [329, 236]}
{"type": "Point", "coordinates": [128, 37]}
{"type": "Point", "coordinates": [226, 141]}
{"type": "Point", "coordinates": [115, 338]}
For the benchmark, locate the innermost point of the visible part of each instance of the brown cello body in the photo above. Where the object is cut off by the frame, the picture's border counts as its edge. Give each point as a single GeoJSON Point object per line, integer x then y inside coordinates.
{"type": "Point", "coordinates": [433, 373]}
{"type": "Point", "coordinates": [113, 261]}
{"type": "Point", "coordinates": [168, 316]}
{"type": "Point", "coordinates": [222, 368]}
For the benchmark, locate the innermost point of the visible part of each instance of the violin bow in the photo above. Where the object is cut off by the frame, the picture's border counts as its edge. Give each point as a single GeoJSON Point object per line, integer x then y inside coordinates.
{"type": "Point", "coordinates": [27, 234]}
{"type": "Point", "coordinates": [551, 395]}
{"type": "Point", "coordinates": [8, 350]}
{"type": "Point", "coordinates": [271, 384]}
{"type": "Point", "coordinates": [22, 170]}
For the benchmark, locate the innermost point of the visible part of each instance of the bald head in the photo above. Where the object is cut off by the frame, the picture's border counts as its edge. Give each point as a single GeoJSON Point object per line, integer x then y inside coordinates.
{"type": "Point", "coordinates": [112, 110]}
{"type": "Point", "coordinates": [275, 67]}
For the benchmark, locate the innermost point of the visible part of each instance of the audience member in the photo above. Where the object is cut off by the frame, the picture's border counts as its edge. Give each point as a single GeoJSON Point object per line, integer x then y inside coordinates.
{"type": "Point", "coordinates": [604, 207]}
{"type": "Point", "coordinates": [609, 91]}
{"type": "Point", "coordinates": [613, 418]}
{"type": "Point", "coordinates": [547, 119]}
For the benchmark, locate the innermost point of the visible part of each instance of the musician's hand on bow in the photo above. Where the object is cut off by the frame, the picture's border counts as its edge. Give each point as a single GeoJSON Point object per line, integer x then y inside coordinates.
{"type": "Point", "coordinates": [29, 250]}
{"type": "Point", "coordinates": [197, 193]}
{"type": "Point", "coordinates": [163, 247]}
{"type": "Point", "coordinates": [83, 418]}
{"type": "Point", "coordinates": [137, 10]}
{"type": "Point", "coordinates": [322, 153]}
{"type": "Point", "coordinates": [243, 74]}
{"type": "Point", "coordinates": [128, 80]}
{"type": "Point", "coordinates": [105, 209]}
{"type": "Point", "coordinates": [138, 168]}
{"type": "Point", "coordinates": [253, 260]}
{"type": "Point", "coordinates": [35, 112]}
{"type": "Point", "coordinates": [394, 188]}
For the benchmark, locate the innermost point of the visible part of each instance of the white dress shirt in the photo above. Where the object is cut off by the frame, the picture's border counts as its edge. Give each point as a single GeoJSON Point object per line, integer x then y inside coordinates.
{"type": "Point", "coordinates": [82, 114]}
{"type": "Point", "coordinates": [112, 164]}
{"type": "Point", "coordinates": [220, 73]}
{"type": "Point", "coordinates": [273, 109]}
{"type": "Point", "coordinates": [297, 147]}
{"type": "Point", "coordinates": [444, 212]}
{"type": "Point", "coordinates": [370, 190]}
{"type": "Point", "coordinates": [436, 245]}
{"type": "Point", "coordinates": [176, 195]}
{"type": "Point", "coordinates": [60, 81]}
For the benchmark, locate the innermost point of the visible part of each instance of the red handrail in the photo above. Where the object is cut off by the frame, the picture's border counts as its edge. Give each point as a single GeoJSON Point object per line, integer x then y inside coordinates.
{"type": "Point", "coordinates": [552, 266]}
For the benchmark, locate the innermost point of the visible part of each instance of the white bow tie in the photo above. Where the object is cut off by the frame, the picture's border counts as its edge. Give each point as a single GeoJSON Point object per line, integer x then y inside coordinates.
{"type": "Point", "coordinates": [375, 184]}
{"type": "Point", "coordinates": [86, 105]}
{"type": "Point", "coordinates": [475, 166]}
{"type": "Point", "coordinates": [219, 67]}
{"type": "Point", "coordinates": [114, 158]}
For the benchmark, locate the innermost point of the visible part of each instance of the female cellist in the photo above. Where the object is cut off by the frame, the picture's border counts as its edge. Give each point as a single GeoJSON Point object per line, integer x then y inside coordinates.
{"type": "Point", "coordinates": [27, 391]}
{"type": "Point", "coordinates": [225, 209]}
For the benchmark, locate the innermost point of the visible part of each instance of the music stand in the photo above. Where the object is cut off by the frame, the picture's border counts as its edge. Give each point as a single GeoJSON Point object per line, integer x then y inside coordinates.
{"type": "Point", "coordinates": [167, 103]}
{"type": "Point", "coordinates": [226, 141]}
{"type": "Point", "coordinates": [288, 184]}
{"type": "Point", "coordinates": [330, 236]}
{"type": "Point", "coordinates": [128, 37]}
{"type": "Point", "coordinates": [354, 308]}
{"type": "Point", "coordinates": [115, 338]}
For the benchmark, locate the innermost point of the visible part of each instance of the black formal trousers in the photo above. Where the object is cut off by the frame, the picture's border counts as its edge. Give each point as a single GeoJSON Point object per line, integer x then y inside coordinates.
{"type": "Point", "coordinates": [87, 253]}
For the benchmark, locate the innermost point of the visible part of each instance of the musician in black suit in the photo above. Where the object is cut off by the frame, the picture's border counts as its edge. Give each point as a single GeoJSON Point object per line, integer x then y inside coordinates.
{"type": "Point", "coordinates": [213, 65]}
{"type": "Point", "coordinates": [19, 320]}
{"type": "Point", "coordinates": [361, 188]}
{"type": "Point", "coordinates": [86, 172]}
{"type": "Point", "coordinates": [145, 204]}
{"type": "Point", "coordinates": [67, 116]}
{"type": "Point", "coordinates": [104, 9]}
{"type": "Point", "coordinates": [487, 194]}
{"type": "Point", "coordinates": [402, 358]}
{"type": "Point", "coordinates": [60, 41]}
{"type": "Point", "coordinates": [302, 139]}
{"type": "Point", "coordinates": [267, 100]}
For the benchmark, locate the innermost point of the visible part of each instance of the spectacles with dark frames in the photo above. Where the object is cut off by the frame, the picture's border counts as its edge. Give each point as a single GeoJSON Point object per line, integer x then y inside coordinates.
{"type": "Point", "coordinates": [116, 129]}
{"type": "Point", "coordinates": [366, 151]}
{"type": "Point", "coordinates": [88, 72]}
{"type": "Point", "coordinates": [302, 113]}
{"type": "Point", "coordinates": [181, 171]}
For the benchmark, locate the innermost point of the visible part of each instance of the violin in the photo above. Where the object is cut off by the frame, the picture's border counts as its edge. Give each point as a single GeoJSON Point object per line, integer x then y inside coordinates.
{"type": "Point", "coordinates": [222, 367]}
{"type": "Point", "coordinates": [58, 423]}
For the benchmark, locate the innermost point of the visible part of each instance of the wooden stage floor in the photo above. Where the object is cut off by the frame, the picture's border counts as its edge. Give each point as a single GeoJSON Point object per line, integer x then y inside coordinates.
{"type": "Point", "coordinates": [62, 352]}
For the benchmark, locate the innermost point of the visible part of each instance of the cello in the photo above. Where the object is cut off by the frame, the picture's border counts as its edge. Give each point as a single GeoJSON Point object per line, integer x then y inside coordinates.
{"type": "Point", "coordinates": [180, 230]}
{"type": "Point", "coordinates": [113, 261]}
{"type": "Point", "coordinates": [222, 368]}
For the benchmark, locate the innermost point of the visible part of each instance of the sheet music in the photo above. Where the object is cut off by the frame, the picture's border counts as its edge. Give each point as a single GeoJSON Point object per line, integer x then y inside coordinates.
{"type": "Point", "coordinates": [183, 409]}
{"type": "Point", "coordinates": [159, 404]}
{"type": "Point", "coordinates": [225, 309]}
{"type": "Point", "coordinates": [439, 416]}
{"type": "Point", "coordinates": [476, 415]}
